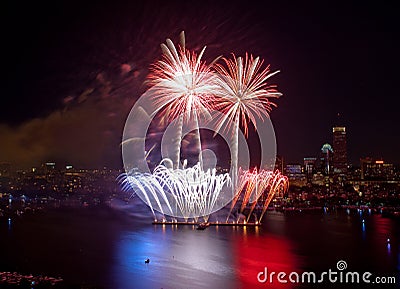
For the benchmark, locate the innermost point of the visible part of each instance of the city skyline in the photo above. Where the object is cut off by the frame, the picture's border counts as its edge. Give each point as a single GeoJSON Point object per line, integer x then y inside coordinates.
{"type": "Point", "coordinates": [74, 74]}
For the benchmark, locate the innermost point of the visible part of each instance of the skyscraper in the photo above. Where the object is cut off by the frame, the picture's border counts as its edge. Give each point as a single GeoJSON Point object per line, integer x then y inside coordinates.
{"type": "Point", "coordinates": [339, 150]}
{"type": "Point", "coordinates": [326, 158]}
{"type": "Point", "coordinates": [309, 167]}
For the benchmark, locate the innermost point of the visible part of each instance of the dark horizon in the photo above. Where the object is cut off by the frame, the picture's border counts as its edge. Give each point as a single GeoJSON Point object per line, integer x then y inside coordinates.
{"type": "Point", "coordinates": [75, 69]}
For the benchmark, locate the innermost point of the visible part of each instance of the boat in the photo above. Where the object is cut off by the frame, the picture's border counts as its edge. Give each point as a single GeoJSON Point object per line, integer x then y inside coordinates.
{"type": "Point", "coordinates": [202, 226]}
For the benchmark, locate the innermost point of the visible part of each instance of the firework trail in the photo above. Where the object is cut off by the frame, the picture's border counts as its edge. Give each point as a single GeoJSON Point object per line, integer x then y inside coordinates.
{"type": "Point", "coordinates": [183, 87]}
{"type": "Point", "coordinates": [187, 192]}
{"type": "Point", "coordinates": [257, 187]}
{"type": "Point", "coordinates": [242, 94]}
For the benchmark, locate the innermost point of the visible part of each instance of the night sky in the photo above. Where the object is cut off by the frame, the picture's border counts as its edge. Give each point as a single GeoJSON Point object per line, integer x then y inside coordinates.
{"type": "Point", "coordinates": [73, 69]}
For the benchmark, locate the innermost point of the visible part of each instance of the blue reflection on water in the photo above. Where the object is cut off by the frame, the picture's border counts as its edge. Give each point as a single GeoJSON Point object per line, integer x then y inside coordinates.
{"type": "Point", "coordinates": [177, 256]}
{"type": "Point", "coordinates": [364, 235]}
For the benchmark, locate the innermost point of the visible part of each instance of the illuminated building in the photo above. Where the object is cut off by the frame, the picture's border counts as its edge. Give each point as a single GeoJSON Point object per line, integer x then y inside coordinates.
{"type": "Point", "coordinates": [326, 158]}
{"type": "Point", "coordinates": [376, 170]}
{"type": "Point", "coordinates": [49, 167]}
{"type": "Point", "coordinates": [295, 174]}
{"type": "Point", "coordinates": [309, 167]}
{"type": "Point", "coordinates": [340, 150]}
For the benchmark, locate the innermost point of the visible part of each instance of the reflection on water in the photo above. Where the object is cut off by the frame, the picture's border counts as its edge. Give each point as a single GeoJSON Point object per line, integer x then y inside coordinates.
{"type": "Point", "coordinates": [253, 253]}
{"type": "Point", "coordinates": [178, 256]}
{"type": "Point", "coordinates": [107, 248]}
{"type": "Point", "coordinates": [219, 257]}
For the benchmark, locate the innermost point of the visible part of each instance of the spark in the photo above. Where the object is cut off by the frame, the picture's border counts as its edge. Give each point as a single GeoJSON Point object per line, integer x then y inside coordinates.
{"type": "Point", "coordinates": [242, 95]}
{"type": "Point", "coordinates": [243, 92]}
{"type": "Point", "coordinates": [255, 187]}
{"type": "Point", "coordinates": [183, 86]}
{"type": "Point", "coordinates": [182, 81]}
{"type": "Point", "coordinates": [188, 192]}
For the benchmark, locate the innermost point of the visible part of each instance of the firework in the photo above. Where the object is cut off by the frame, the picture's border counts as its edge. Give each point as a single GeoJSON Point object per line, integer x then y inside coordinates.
{"type": "Point", "coordinates": [184, 91]}
{"type": "Point", "coordinates": [242, 95]}
{"type": "Point", "coordinates": [183, 88]}
{"type": "Point", "coordinates": [187, 192]}
{"type": "Point", "coordinates": [258, 187]}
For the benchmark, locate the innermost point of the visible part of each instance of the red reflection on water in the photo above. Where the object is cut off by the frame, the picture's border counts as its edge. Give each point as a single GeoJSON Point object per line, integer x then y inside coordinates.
{"type": "Point", "coordinates": [255, 252]}
{"type": "Point", "coordinates": [384, 239]}
{"type": "Point", "coordinates": [383, 226]}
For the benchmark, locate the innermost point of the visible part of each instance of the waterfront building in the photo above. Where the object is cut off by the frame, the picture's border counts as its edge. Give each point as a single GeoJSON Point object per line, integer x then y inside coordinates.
{"type": "Point", "coordinates": [340, 150]}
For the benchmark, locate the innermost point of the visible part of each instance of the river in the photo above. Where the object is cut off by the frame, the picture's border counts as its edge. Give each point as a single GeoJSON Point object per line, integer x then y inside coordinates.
{"type": "Point", "coordinates": [107, 247]}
